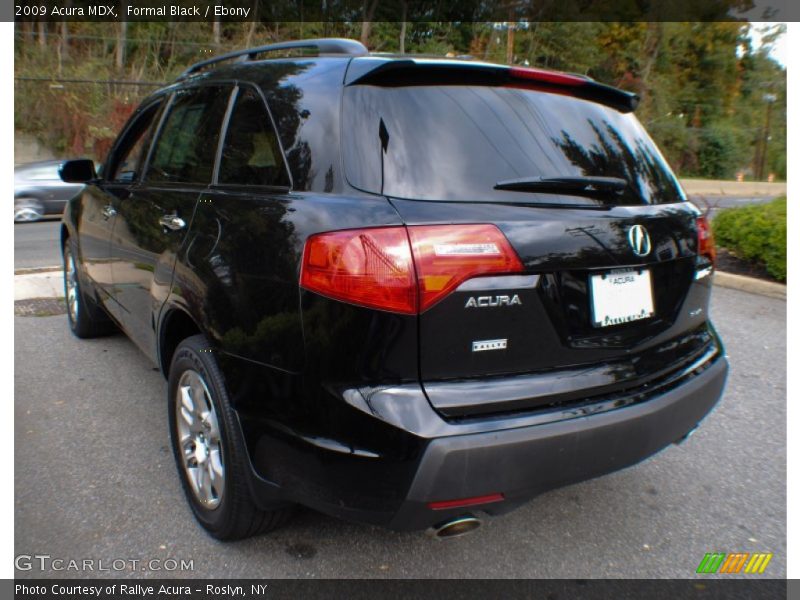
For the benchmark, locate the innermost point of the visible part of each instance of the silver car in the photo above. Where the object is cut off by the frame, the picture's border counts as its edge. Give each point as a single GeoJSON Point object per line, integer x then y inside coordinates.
{"type": "Point", "coordinates": [39, 191]}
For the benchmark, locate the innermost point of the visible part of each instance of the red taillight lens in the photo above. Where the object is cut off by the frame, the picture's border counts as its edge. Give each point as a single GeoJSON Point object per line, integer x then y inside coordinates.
{"type": "Point", "coordinates": [543, 76]}
{"type": "Point", "coordinates": [374, 267]}
{"type": "Point", "coordinates": [705, 240]}
{"type": "Point", "coordinates": [369, 267]}
{"type": "Point", "coordinates": [447, 255]}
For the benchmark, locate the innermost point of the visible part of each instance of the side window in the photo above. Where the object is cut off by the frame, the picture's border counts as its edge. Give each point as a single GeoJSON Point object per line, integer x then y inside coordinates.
{"type": "Point", "coordinates": [130, 154]}
{"type": "Point", "coordinates": [251, 154]}
{"type": "Point", "coordinates": [187, 145]}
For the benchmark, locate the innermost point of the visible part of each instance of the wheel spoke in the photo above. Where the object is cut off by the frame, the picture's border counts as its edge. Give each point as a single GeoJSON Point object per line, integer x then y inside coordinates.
{"type": "Point", "coordinates": [199, 397]}
{"type": "Point", "coordinates": [187, 444]}
{"type": "Point", "coordinates": [213, 427]}
{"type": "Point", "coordinates": [215, 467]}
{"type": "Point", "coordinates": [195, 476]}
{"type": "Point", "coordinates": [186, 398]}
{"type": "Point", "coordinates": [204, 479]}
{"type": "Point", "coordinates": [187, 417]}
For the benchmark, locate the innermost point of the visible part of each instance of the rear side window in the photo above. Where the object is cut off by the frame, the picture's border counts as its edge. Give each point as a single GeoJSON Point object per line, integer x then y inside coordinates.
{"type": "Point", "coordinates": [455, 142]}
{"type": "Point", "coordinates": [187, 145]}
{"type": "Point", "coordinates": [251, 154]}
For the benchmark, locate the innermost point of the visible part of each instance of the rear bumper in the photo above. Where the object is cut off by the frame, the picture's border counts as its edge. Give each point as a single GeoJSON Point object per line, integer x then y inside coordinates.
{"type": "Point", "coordinates": [401, 454]}
{"type": "Point", "coordinates": [523, 463]}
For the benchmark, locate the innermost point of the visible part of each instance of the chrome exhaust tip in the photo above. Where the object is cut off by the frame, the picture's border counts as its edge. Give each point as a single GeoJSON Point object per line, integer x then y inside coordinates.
{"type": "Point", "coordinates": [455, 527]}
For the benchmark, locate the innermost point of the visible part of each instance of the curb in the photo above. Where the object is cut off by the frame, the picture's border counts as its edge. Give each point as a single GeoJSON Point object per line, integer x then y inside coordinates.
{"type": "Point", "coordinates": [30, 270]}
{"type": "Point", "coordinates": [750, 284]}
{"type": "Point", "coordinates": [39, 284]}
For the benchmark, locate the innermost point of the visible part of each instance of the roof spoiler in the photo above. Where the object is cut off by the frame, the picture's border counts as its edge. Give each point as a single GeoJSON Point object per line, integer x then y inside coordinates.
{"type": "Point", "coordinates": [386, 72]}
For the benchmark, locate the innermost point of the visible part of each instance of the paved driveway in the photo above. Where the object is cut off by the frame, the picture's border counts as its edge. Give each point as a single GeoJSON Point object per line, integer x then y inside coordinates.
{"type": "Point", "coordinates": [94, 478]}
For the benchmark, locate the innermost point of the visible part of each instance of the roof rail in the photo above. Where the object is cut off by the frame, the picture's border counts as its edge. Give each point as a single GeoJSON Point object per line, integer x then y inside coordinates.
{"type": "Point", "coordinates": [322, 45]}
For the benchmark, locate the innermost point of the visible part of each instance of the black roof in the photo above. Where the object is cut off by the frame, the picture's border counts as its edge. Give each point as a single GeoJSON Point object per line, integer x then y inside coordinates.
{"type": "Point", "coordinates": [375, 68]}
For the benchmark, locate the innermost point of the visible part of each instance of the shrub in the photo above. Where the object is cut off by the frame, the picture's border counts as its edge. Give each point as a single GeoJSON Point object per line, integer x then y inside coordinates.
{"type": "Point", "coordinates": [720, 151]}
{"type": "Point", "coordinates": [757, 233]}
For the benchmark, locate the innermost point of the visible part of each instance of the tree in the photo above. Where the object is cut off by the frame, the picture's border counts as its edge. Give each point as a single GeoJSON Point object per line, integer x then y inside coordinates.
{"type": "Point", "coordinates": [369, 15]}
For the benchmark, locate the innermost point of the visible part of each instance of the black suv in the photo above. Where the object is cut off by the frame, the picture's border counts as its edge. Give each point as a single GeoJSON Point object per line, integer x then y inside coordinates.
{"type": "Point", "coordinates": [396, 289]}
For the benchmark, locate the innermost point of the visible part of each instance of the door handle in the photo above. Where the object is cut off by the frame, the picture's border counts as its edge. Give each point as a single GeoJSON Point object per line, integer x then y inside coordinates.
{"type": "Point", "coordinates": [108, 212]}
{"type": "Point", "coordinates": [172, 222]}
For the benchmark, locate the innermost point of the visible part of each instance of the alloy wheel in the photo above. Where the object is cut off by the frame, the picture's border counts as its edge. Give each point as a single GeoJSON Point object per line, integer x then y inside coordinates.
{"type": "Point", "coordinates": [27, 213]}
{"type": "Point", "coordinates": [199, 439]}
{"type": "Point", "coordinates": [71, 285]}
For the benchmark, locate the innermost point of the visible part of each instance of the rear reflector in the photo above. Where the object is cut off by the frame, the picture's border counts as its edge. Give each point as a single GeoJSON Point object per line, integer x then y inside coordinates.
{"type": "Point", "coordinates": [374, 267]}
{"type": "Point", "coordinates": [705, 240]}
{"type": "Point", "coordinates": [460, 503]}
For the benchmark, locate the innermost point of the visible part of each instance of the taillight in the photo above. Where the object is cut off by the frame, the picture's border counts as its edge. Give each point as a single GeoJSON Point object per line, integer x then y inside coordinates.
{"type": "Point", "coordinates": [448, 255]}
{"type": "Point", "coordinates": [705, 240]}
{"type": "Point", "coordinates": [369, 267]}
{"type": "Point", "coordinates": [374, 267]}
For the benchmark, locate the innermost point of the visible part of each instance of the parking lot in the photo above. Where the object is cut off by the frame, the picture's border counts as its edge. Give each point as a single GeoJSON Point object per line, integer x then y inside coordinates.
{"type": "Point", "coordinates": [94, 479]}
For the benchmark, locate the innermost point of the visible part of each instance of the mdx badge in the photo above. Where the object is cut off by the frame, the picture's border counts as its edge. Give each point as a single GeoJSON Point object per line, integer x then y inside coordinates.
{"type": "Point", "coordinates": [639, 240]}
{"type": "Point", "coordinates": [492, 301]}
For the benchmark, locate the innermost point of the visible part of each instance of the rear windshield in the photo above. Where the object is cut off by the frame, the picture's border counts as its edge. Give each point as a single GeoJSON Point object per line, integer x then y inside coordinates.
{"type": "Point", "coordinates": [454, 143]}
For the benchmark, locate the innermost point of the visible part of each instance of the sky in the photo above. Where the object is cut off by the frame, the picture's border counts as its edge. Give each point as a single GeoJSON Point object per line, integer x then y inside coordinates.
{"type": "Point", "coordinates": [779, 50]}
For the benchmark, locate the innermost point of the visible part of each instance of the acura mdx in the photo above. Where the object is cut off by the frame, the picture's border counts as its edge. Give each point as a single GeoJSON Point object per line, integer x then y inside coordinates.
{"type": "Point", "coordinates": [397, 290]}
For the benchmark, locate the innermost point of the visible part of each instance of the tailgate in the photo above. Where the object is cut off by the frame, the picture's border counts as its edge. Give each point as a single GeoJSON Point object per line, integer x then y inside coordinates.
{"type": "Point", "coordinates": [542, 322]}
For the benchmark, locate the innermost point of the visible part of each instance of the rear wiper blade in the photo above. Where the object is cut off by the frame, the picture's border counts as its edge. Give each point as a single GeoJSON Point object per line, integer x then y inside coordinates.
{"type": "Point", "coordinates": [576, 185]}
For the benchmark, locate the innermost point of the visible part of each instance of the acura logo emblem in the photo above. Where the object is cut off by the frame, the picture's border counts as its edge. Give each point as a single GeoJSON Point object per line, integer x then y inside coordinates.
{"type": "Point", "coordinates": [639, 240]}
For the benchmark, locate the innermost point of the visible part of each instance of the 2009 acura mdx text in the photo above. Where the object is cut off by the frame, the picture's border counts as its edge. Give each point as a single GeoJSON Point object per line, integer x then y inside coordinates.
{"type": "Point", "coordinates": [397, 290]}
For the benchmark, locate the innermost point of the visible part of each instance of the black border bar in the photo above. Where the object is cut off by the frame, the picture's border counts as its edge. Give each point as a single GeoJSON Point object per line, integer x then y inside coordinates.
{"type": "Point", "coordinates": [397, 10]}
{"type": "Point", "coordinates": [390, 589]}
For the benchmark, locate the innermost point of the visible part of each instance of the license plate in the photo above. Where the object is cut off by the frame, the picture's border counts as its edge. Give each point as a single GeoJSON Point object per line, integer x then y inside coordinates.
{"type": "Point", "coordinates": [621, 296]}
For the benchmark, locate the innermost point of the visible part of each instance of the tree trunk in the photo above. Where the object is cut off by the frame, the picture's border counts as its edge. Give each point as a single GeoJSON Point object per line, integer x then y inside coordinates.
{"type": "Point", "coordinates": [122, 40]}
{"type": "Point", "coordinates": [510, 39]}
{"type": "Point", "coordinates": [252, 29]}
{"type": "Point", "coordinates": [64, 44]}
{"type": "Point", "coordinates": [366, 24]}
{"type": "Point", "coordinates": [27, 31]}
{"type": "Point", "coordinates": [42, 35]}
{"type": "Point", "coordinates": [171, 35]}
{"type": "Point", "coordinates": [403, 23]}
{"type": "Point", "coordinates": [217, 32]}
{"type": "Point", "coordinates": [365, 29]}
{"type": "Point", "coordinates": [652, 46]}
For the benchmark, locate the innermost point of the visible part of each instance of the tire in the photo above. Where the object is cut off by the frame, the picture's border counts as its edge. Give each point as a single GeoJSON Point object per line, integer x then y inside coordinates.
{"type": "Point", "coordinates": [86, 319]}
{"type": "Point", "coordinates": [212, 460]}
{"type": "Point", "coordinates": [27, 210]}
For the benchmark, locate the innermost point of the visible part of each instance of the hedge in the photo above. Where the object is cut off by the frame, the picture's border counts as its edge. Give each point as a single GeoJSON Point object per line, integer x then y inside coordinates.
{"type": "Point", "coordinates": [757, 233]}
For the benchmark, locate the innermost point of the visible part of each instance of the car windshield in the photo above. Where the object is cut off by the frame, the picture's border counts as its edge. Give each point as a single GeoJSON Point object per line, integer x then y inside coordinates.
{"type": "Point", "coordinates": [457, 142]}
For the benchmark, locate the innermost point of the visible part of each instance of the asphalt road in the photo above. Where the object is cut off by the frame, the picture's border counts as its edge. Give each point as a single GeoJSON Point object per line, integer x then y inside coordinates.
{"type": "Point", "coordinates": [37, 244]}
{"type": "Point", "coordinates": [94, 479]}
